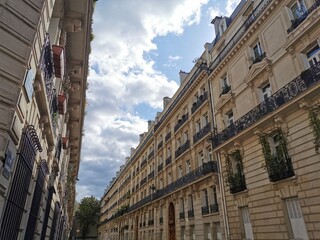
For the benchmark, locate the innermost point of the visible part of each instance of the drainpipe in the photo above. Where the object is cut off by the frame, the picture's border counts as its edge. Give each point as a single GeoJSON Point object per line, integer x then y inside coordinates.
{"type": "Point", "coordinates": [221, 181]}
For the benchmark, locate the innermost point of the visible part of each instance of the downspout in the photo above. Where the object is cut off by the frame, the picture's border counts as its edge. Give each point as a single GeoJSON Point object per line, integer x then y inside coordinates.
{"type": "Point", "coordinates": [221, 181]}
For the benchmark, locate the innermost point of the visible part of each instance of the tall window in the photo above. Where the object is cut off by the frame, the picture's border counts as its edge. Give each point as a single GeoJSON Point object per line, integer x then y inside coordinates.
{"type": "Point", "coordinates": [229, 118]}
{"type": "Point", "coordinates": [181, 205]}
{"type": "Point", "coordinates": [265, 91]}
{"type": "Point", "coordinates": [198, 125]}
{"type": "Point", "coordinates": [207, 231]}
{"type": "Point", "coordinates": [297, 223]}
{"type": "Point", "coordinates": [180, 172]}
{"type": "Point", "coordinates": [205, 202]}
{"type": "Point", "coordinates": [183, 233]}
{"type": "Point", "coordinates": [209, 152]}
{"type": "Point", "coordinates": [313, 56]}
{"type": "Point", "coordinates": [297, 9]}
{"type": "Point", "coordinates": [225, 86]}
{"type": "Point", "coordinates": [205, 119]}
{"type": "Point", "coordinates": [200, 158]}
{"type": "Point", "coordinates": [185, 136]}
{"type": "Point", "coordinates": [192, 233]}
{"type": "Point", "coordinates": [188, 166]}
{"type": "Point", "coordinates": [246, 223]}
{"type": "Point", "coordinates": [169, 178]}
{"type": "Point", "coordinates": [257, 52]}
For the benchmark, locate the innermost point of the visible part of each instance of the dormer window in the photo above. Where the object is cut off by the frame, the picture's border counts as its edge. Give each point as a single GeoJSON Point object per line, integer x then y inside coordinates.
{"type": "Point", "coordinates": [222, 26]}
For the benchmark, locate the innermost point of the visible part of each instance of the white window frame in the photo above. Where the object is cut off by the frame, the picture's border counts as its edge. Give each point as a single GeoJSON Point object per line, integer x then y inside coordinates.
{"type": "Point", "coordinates": [314, 55]}
{"type": "Point", "coordinates": [256, 55]}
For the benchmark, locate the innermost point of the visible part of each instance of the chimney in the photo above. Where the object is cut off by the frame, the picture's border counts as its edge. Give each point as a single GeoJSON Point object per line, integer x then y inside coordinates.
{"type": "Point", "coordinates": [127, 159]}
{"type": "Point", "coordinates": [141, 136]}
{"type": "Point", "coordinates": [166, 100]}
{"type": "Point", "coordinates": [183, 76]}
{"type": "Point", "coordinates": [131, 151]}
{"type": "Point", "coordinates": [157, 117]}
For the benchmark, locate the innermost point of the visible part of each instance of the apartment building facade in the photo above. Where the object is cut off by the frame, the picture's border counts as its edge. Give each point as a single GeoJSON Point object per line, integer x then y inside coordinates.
{"type": "Point", "coordinates": [235, 152]}
{"type": "Point", "coordinates": [44, 48]}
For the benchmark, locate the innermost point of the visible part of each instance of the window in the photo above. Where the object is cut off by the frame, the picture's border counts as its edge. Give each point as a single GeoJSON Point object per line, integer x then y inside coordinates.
{"type": "Point", "coordinates": [209, 151]}
{"type": "Point", "coordinates": [178, 143]}
{"type": "Point", "coordinates": [213, 195]}
{"type": "Point", "coordinates": [313, 56]}
{"type": "Point", "coordinates": [297, 223]}
{"type": "Point", "coordinates": [168, 152]}
{"type": "Point", "coordinates": [188, 166]}
{"type": "Point", "coordinates": [192, 233]}
{"type": "Point", "coordinates": [180, 172]}
{"type": "Point", "coordinates": [265, 92]}
{"type": "Point", "coordinates": [297, 9]}
{"type": "Point", "coordinates": [217, 229]}
{"type": "Point", "coordinates": [198, 126]}
{"type": "Point", "coordinates": [246, 223]}
{"type": "Point", "coordinates": [205, 119]}
{"type": "Point", "coordinates": [190, 202]}
{"type": "Point", "coordinates": [229, 118]}
{"type": "Point", "coordinates": [185, 136]}
{"type": "Point", "coordinates": [207, 231]}
{"type": "Point", "coordinates": [200, 158]}
{"type": "Point", "coordinates": [205, 202]}
{"type": "Point", "coordinates": [181, 205]}
{"type": "Point", "coordinates": [161, 183]}
{"type": "Point", "coordinates": [169, 178]}
{"type": "Point", "coordinates": [222, 26]}
{"type": "Point", "coordinates": [225, 87]}
{"type": "Point", "coordinates": [183, 233]}
{"type": "Point", "coordinates": [257, 52]}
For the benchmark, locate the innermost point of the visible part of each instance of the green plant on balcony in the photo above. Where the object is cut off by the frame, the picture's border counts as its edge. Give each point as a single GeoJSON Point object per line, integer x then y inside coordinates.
{"type": "Point", "coordinates": [235, 177]}
{"type": "Point", "coordinates": [315, 124]}
{"type": "Point", "coordinates": [278, 163]}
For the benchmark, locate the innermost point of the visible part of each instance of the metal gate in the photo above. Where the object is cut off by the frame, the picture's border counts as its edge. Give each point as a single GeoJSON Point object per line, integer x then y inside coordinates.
{"type": "Point", "coordinates": [18, 192]}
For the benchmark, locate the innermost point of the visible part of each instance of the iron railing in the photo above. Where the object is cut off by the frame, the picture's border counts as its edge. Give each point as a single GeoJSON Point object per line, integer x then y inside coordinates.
{"type": "Point", "coordinates": [304, 81]}
{"type": "Point", "coordinates": [214, 208]}
{"type": "Point", "coordinates": [201, 133]}
{"type": "Point", "coordinates": [199, 102]}
{"type": "Point", "coordinates": [151, 175]}
{"type": "Point", "coordinates": [144, 162]}
{"type": "Point", "coordinates": [151, 155]}
{"type": "Point", "coordinates": [167, 137]}
{"type": "Point", "coordinates": [181, 121]}
{"type": "Point", "coordinates": [181, 216]}
{"type": "Point", "coordinates": [205, 210]}
{"type": "Point", "coordinates": [184, 147]}
{"type": "Point", "coordinates": [168, 160]}
{"type": "Point", "coordinates": [160, 167]}
{"type": "Point", "coordinates": [237, 183]}
{"type": "Point", "coordinates": [191, 213]}
{"type": "Point", "coordinates": [297, 22]}
{"type": "Point", "coordinates": [160, 145]}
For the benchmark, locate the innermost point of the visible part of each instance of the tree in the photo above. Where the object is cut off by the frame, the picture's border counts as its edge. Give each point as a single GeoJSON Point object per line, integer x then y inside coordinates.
{"type": "Point", "coordinates": [87, 213]}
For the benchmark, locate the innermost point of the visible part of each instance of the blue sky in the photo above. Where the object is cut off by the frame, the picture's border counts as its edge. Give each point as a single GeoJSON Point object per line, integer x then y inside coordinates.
{"type": "Point", "coordinates": [139, 48]}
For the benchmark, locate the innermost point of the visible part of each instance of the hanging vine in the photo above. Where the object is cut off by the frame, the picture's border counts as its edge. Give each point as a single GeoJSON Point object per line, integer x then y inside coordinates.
{"type": "Point", "coordinates": [315, 124]}
{"type": "Point", "coordinates": [277, 163]}
{"type": "Point", "coordinates": [235, 178]}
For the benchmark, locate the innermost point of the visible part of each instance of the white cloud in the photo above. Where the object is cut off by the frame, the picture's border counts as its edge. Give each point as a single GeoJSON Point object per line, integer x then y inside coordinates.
{"type": "Point", "coordinates": [231, 5]}
{"type": "Point", "coordinates": [121, 77]}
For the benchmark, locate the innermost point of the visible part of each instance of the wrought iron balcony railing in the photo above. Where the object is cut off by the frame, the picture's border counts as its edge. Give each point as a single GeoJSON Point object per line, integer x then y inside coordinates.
{"type": "Point", "coordinates": [151, 222]}
{"type": "Point", "coordinates": [205, 210]}
{"type": "Point", "coordinates": [181, 121]}
{"type": "Point", "coordinates": [304, 81]}
{"type": "Point", "coordinates": [258, 58]}
{"type": "Point", "coordinates": [281, 170]}
{"type": "Point", "coordinates": [137, 186]}
{"type": "Point", "coordinates": [168, 160]}
{"type": "Point", "coordinates": [190, 213]}
{"type": "Point", "coordinates": [182, 149]}
{"type": "Point", "coordinates": [237, 183]}
{"type": "Point", "coordinates": [297, 22]}
{"type": "Point", "coordinates": [160, 145]}
{"type": "Point", "coordinates": [201, 133]}
{"type": "Point", "coordinates": [151, 175]}
{"type": "Point", "coordinates": [151, 155]}
{"type": "Point", "coordinates": [214, 208]}
{"type": "Point", "coordinates": [144, 162]}
{"type": "Point", "coordinates": [225, 89]}
{"type": "Point", "coordinates": [199, 102]}
{"type": "Point", "coordinates": [167, 137]}
{"type": "Point", "coordinates": [143, 181]}
{"type": "Point", "coordinates": [160, 167]}
{"type": "Point", "coordinates": [181, 216]}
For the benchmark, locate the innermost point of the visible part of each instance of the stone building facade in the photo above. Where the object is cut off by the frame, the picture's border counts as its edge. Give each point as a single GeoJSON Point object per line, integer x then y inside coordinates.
{"type": "Point", "coordinates": [44, 48]}
{"type": "Point", "coordinates": [235, 152]}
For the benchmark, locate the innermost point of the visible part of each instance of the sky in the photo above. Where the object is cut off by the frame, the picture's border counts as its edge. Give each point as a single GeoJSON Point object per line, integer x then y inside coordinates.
{"type": "Point", "coordinates": [138, 50]}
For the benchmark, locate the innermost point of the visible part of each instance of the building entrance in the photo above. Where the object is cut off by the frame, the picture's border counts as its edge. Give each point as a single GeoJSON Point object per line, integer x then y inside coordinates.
{"type": "Point", "coordinates": [172, 222]}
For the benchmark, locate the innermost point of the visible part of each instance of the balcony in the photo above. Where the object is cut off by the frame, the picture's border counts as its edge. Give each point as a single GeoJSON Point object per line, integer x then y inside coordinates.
{"type": "Point", "coordinates": [168, 160]}
{"type": "Point", "coordinates": [160, 167]}
{"type": "Point", "coordinates": [297, 22]}
{"type": "Point", "coordinates": [225, 89]}
{"type": "Point", "coordinates": [181, 216]}
{"type": "Point", "coordinates": [280, 170]}
{"type": "Point", "coordinates": [160, 145]}
{"type": "Point", "coordinates": [58, 60]}
{"type": "Point", "coordinates": [303, 82]}
{"type": "Point", "coordinates": [182, 149]}
{"type": "Point", "coordinates": [191, 177]}
{"type": "Point", "coordinates": [46, 65]}
{"type": "Point", "coordinates": [199, 102]}
{"type": "Point", "coordinates": [205, 210]}
{"type": "Point", "coordinates": [214, 208]}
{"type": "Point", "coordinates": [201, 133]}
{"type": "Point", "coordinates": [143, 181]}
{"type": "Point", "coordinates": [151, 175]}
{"type": "Point", "coordinates": [190, 214]}
{"type": "Point", "coordinates": [258, 58]}
{"type": "Point", "coordinates": [181, 121]}
{"type": "Point", "coordinates": [167, 137]}
{"type": "Point", "coordinates": [151, 155]}
{"type": "Point", "coordinates": [237, 183]}
{"type": "Point", "coordinates": [144, 162]}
